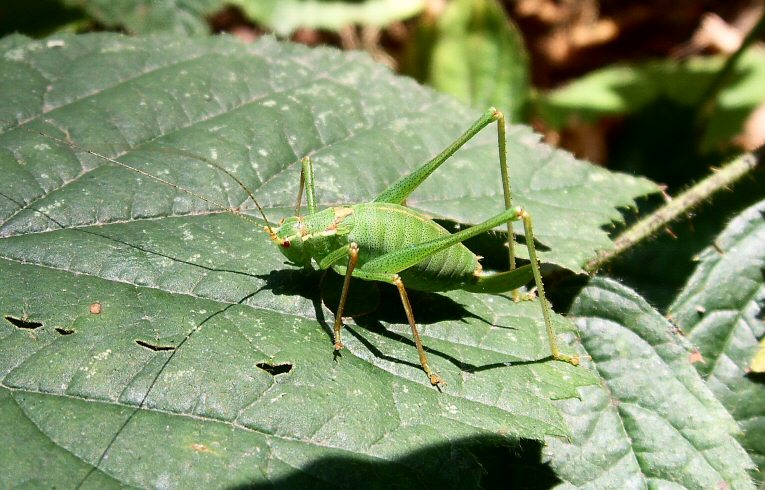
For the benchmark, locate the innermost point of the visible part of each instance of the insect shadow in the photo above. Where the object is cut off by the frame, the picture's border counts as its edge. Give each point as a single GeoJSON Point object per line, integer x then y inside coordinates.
{"type": "Point", "coordinates": [372, 305]}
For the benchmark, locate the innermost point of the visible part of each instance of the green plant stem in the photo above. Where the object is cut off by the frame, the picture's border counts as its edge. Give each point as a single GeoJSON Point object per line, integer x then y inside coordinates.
{"type": "Point", "coordinates": [680, 205]}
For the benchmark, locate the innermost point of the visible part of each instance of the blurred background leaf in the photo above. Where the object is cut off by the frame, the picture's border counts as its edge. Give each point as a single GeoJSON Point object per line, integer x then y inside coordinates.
{"type": "Point", "coordinates": [473, 51]}
{"type": "Point", "coordinates": [627, 89]}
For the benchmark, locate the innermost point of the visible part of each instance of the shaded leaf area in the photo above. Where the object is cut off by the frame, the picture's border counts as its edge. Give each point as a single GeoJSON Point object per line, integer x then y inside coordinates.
{"type": "Point", "coordinates": [653, 422]}
{"type": "Point", "coordinates": [36, 17]}
{"type": "Point", "coordinates": [474, 52]}
{"type": "Point", "coordinates": [152, 16]}
{"type": "Point", "coordinates": [623, 89]}
{"type": "Point", "coordinates": [257, 109]}
{"type": "Point", "coordinates": [720, 310]}
{"type": "Point", "coordinates": [659, 268]}
{"type": "Point", "coordinates": [286, 16]}
{"type": "Point", "coordinates": [207, 401]}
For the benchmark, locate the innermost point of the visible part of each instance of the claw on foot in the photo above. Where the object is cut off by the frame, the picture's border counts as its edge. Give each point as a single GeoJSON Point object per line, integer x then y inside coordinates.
{"type": "Point", "coordinates": [436, 380]}
{"type": "Point", "coordinates": [339, 346]}
{"type": "Point", "coordinates": [529, 296]}
{"type": "Point", "coordinates": [573, 360]}
{"type": "Point", "coordinates": [518, 297]}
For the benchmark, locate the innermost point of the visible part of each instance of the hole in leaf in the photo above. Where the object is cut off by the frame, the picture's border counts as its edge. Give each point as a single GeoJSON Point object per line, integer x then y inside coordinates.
{"type": "Point", "coordinates": [23, 323]}
{"type": "Point", "coordinates": [64, 331]}
{"type": "Point", "coordinates": [154, 347]}
{"type": "Point", "coordinates": [275, 369]}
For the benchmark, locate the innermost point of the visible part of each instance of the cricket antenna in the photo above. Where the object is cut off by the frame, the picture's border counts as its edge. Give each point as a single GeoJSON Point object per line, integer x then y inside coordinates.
{"type": "Point", "coordinates": [236, 179]}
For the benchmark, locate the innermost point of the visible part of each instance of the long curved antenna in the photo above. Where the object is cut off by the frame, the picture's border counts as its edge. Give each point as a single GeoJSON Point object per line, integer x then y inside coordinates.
{"type": "Point", "coordinates": [241, 184]}
{"type": "Point", "coordinates": [227, 172]}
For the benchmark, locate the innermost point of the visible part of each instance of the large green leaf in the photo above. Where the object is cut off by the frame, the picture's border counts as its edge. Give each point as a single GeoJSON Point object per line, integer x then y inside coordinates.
{"type": "Point", "coordinates": [194, 299]}
{"type": "Point", "coordinates": [720, 310]}
{"type": "Point", "coordinates": [653, 422]}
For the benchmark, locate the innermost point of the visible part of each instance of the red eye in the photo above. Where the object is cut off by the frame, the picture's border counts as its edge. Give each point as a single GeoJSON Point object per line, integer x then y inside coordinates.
{"type": "Point", "coordinates": [286, 244]}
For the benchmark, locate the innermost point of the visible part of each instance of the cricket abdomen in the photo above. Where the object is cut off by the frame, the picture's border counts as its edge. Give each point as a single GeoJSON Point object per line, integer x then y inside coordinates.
{"type": "Point", "coordinates": [380, 228]}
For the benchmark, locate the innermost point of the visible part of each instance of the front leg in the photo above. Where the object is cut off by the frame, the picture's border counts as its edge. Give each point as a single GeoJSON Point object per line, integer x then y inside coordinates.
{"type": "Point", "coordinates": [306, 182]}
{"type": "Point", "coordinates": [353, 257]}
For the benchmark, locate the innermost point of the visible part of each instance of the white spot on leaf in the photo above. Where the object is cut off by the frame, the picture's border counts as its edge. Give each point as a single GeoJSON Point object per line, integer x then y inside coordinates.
{"type": "Point", "coordinates": [103, 355]}
{"type": "Point", "coordinates": [15, 55]}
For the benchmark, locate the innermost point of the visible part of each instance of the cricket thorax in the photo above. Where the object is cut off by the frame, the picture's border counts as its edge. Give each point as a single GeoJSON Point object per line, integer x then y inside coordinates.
{"type": "Point", "coordinates": [301, 238]}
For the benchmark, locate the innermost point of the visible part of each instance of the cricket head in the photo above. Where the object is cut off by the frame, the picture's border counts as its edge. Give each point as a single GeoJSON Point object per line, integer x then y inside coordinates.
{"type": "Point", "coordinates": [288, 238]}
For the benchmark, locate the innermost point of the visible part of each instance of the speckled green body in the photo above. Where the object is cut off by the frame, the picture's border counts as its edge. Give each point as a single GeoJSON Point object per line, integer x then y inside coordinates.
{"type": "Point", "coordinates": [381, 228]}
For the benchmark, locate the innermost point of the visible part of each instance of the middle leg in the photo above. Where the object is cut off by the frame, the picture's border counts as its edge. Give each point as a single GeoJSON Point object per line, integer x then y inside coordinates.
{"type": "Point", "coordinates": [394, 279]}
{"type": "Point", "coordinates": [435, 379]}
